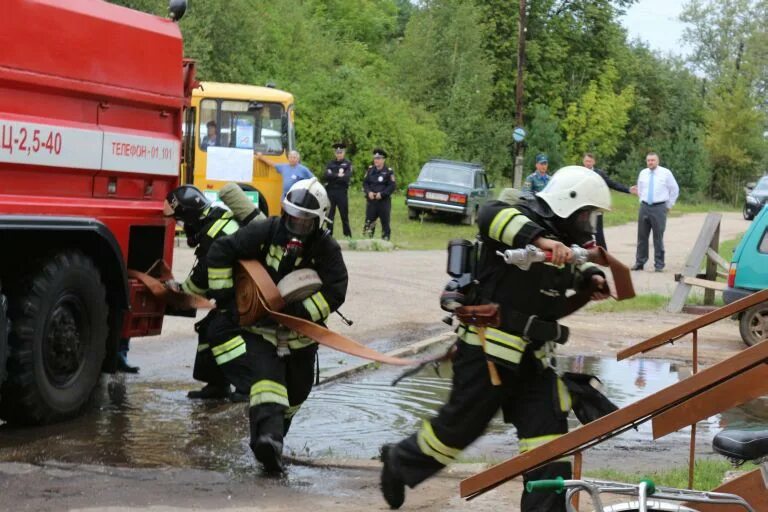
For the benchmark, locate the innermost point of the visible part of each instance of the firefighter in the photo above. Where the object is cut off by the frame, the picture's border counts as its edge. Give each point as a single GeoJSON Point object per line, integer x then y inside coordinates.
{"type": "Point", "coordinates": [379, 184]}
{"type": "Point", "coordinates": [337, 175]}
{"type": "Point", "coordinates": [274, 365]}
{"type": "Point", "coordinates": [528, 391]}
{"type": "Point", "coordinates": [203, 223]}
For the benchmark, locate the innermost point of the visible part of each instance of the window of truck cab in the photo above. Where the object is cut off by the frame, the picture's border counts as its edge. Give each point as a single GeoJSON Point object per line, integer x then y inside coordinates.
{"type": "Point", "coordinates": [258, 125]}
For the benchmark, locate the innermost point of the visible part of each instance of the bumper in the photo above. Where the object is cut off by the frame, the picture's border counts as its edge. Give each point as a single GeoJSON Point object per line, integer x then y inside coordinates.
{"type": "Point", "coordinates": [753, 209]}
{"type": "Point", "coordinates": [435, 206]}
{"type": "Point", "coordinates": [734, 294]}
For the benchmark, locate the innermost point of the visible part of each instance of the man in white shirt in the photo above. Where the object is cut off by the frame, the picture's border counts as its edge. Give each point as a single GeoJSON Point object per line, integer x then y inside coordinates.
{"type": "Point", "coordinates": [658, 191]}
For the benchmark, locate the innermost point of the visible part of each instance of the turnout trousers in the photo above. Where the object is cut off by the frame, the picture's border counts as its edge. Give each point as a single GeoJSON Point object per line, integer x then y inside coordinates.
{"type": "Point", "coordinates": [205, 369]}
{"type": "Point", "coordinates": [377, 209]}
{"type": "Point", "coordinates": [338, 198]}
{"type": "Point", "coordinates": [277, 386]}
{"type": "Point", "coordinates": [531, 399]}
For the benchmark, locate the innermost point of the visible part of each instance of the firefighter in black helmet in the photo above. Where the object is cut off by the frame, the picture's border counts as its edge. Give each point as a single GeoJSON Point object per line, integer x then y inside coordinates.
{"type": "Point", "coordinates": [202, 223]}
{"type": "Point", "coordinates": [272, 364]}
{"type": "Point", "coordinates": [529, 391]}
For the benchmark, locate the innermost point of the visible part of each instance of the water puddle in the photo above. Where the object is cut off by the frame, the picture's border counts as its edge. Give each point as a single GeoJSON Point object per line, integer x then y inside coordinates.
{"type": "Point", "coordinates": [153, 424]}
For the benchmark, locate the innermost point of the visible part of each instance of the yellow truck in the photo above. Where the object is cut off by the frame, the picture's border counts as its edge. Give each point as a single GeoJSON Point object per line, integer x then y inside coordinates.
{"type": "Point", "coordinates": [233, 132]}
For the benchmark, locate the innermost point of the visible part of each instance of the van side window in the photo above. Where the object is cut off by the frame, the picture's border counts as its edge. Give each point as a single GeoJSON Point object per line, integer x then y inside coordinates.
{"type": "Point", "coordinates": [763, 247]}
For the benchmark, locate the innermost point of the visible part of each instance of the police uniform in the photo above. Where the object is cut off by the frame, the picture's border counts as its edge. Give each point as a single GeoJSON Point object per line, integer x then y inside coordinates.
{"type": "Point", "coordinates": [215, 223]}
{"type": "Point", "coordinates": [531, 395]}
{"type": "Point", "coordinates": [277, 383]}
{"type": "Point", "coordinates": [337, 176]}
{"type": "Point", "coordinates": [535, 182]}
{"type": "Point", "coordinates": [380, 181]}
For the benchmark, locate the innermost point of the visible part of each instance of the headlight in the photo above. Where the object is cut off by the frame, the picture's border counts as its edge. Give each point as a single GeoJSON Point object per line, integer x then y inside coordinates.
{"type": "Point", "coordinates": [752, 200]}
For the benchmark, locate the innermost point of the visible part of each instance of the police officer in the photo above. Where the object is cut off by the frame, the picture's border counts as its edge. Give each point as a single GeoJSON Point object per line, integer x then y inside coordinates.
{"type": "Point", "coordinates": [203, 224]}
{"type": "Point", "coordinates": [379, 184]}
{"type": "Point", "coordinates": [274, 365]}
{"type": "Point", "coordinates": [530, 393]}
{"type": "Point", "coordinates": [337, 175]}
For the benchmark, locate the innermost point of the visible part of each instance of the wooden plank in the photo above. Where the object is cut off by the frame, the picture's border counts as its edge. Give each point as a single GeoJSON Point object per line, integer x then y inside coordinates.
{"type": "Point", "coordinates": [705, 283]}
{"type": "Point", "coordinates": [750, 486]}
{"type": "Point", "coordinates": [731, 393]}
{"type": "Point", "coordinates": [693, 263]}
{"type": "Point", "coordinates": [697, 323]}
{"type": "Point", "coordinates": [616, 422]}
{"type": "Point", "coordinates": [714, 245]}
{"type": "Point", "coordinates": [722, 262]}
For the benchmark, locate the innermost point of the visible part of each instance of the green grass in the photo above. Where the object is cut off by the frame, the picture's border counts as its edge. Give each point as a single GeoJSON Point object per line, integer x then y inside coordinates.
{"type": "Point", "coordinates": [708, 474]}
{"type": "Point", "coordinates": [433, 232]}
{"type": "Point", "coordinates": [642, 302]}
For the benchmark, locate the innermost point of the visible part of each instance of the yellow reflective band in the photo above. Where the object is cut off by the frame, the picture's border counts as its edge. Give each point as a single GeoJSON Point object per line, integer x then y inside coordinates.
{"type": "Point", "coordinates": [291, 411]}
{"type": "Point", "coordinates": [468, 335]}
{"type": "Point", "coordinates": [563, 395]}
{"type": "Point", "coordinates": [214, 230]}
{"type": "Point", "coordinates": [502, 337]}
{"type": "Point", "coordinates": [431, 446]}
{"type": "Point", "coordinates": [230, 227]}
{"type": "Point", "coordinates": [275, 256]}
{"type": "Point", "coordinates": [228, 345]}
{"type": "Point", "coordinates": [513, 228]}
{"type": "Point", "coordinates": [312, 309]}
{"type": "Point", "coordinates": [219, 272]}
{"type": "Point", "coordinates": [202, 346]}
{"type": "Point", "coordinates": [269, 391]}
{"type": "Point", "coordinates": [322, 304]}
{"type": "Point", "coordinates": [506, 354]}
{"type": "Point", "coordinates": [191, 288]}
{"type": "Point", "coordinates": [220, 284]}
{"type": "Point", "coordinates": [500, 221]}
{"type": "Point", "coordinates": [232, 354]}
{"type": "Point", "coordinates": [534, 442]}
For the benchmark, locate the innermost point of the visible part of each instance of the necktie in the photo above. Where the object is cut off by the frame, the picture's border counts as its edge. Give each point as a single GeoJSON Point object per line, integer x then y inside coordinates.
{"type": "Point", "coordinates": [650, 188]}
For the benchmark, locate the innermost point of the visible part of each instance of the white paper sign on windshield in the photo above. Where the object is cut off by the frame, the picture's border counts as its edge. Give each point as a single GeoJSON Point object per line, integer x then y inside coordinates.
{"type": "Point", "coordinates": [229, 164]}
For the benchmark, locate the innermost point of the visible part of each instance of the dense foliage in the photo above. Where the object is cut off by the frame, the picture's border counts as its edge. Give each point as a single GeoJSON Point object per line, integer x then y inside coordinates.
{"type": "Point", "coordinates": [437, 78]}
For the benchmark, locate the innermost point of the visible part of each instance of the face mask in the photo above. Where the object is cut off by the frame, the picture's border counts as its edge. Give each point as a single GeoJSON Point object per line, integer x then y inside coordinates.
{"type": "Point", "coordinates": [299, 226]}
{"type": "Point", "coordinates": [580, 227]}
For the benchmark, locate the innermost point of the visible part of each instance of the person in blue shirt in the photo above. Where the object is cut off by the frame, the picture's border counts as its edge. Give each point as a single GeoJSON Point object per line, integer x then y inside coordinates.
{"type": "Point", "coordinates": [293, 171]}
{"type": "Point", "coordinates": [536, 181]}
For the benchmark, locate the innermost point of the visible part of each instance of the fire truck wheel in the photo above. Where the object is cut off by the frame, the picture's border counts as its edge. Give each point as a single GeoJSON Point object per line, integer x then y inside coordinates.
{"type": "Point", "coordinates": [3, 336]}
{"type": "Point", "coordinates": [57, 341]}
{"type": "Point", "coordinates": [263, 206]}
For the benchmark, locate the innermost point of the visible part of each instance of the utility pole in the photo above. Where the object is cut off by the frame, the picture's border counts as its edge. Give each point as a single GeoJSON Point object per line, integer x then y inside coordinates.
{"type": "Point", "coordinates": [518, 172]}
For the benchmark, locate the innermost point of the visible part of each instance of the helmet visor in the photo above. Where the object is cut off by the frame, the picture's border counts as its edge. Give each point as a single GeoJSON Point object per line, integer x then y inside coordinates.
{"type": "Point", "coordinates": [300, 226]}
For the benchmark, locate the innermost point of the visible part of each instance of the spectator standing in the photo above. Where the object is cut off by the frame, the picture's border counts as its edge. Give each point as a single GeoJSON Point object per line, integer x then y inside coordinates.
{"type": "Point", "coordinates": [658, 192]}
{"type": "Point", "coordinates": [379, 184]}
{"type": "Point", "coordinates": [537, 180]}
{"type": "Point", "coordinates": [589, 162]}
{"type": "Point", "coordinates": [337, 175]}
{"type": "Point", "coordinates": [293, 171]}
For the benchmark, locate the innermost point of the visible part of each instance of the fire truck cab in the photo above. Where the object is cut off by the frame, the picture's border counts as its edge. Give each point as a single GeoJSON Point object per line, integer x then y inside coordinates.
{"type": "Point", "coordinates": [91, 108]}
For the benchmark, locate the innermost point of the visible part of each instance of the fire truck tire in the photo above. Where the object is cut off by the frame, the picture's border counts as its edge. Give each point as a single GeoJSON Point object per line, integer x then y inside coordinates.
{"type": "Point", "coordinates": [57, 341]}
{"type": "Point", "coordinates": [263, 206]}
{"type": "Point", "coordinates": [3, 337]}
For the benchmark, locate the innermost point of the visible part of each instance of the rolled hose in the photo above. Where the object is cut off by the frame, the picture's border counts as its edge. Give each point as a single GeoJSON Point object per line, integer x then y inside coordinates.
{"type": "Point", "coordinates": [242, 207]}
{"type": "Point", "coordinates": [557, 485]}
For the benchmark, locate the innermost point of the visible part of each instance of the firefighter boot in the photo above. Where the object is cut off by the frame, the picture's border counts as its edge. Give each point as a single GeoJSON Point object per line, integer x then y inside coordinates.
{"type": "Point", "coordinates": [392, 487]}
{"type": "Point", "coordinates": [210, 392]}
{"type": "Point", "coordinates": [122, 363]}
{"type": "Point", "coordinates": [269, 451]}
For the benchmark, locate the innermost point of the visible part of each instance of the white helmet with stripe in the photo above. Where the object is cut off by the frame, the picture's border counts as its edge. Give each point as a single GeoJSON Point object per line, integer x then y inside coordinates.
{"type": "Point", "coordinates": [575, 187]}
{"type": "Point", "coordinates": [305, 207]}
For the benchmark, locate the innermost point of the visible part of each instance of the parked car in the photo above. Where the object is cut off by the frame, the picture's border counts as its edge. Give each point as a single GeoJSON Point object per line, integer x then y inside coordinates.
{"type": "Point", "coordinates": [756, 198]}
{"type": "Point", "coordinates": [457, 188]}
{"type": "Point", "coordinates": [749, 273]}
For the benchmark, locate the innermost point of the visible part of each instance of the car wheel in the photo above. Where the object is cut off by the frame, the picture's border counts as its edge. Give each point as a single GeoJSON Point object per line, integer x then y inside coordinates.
{"type": "Point", "coordinates": [413, 213]}
{"type": "Point", "coordinates": [57, 341]}
{"type": "Point", "coordinates": [746, 213]}
{"type": "Point", "coordinates": [753, 324]}
{"type": "Point", "coordinates": [471, 217]}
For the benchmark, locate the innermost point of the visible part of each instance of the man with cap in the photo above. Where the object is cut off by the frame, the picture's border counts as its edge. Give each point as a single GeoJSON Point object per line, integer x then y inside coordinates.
{"type": "Point", "coordinates": [337, 175]}
{"type": "Point", "coordinates": [379, 184]}
{"type": "Point", "coordinates": [538, 179]}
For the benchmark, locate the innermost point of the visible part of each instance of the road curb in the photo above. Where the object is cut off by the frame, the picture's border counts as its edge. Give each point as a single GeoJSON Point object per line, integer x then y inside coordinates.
{"type": "Point", "coordinates": [413, 348]}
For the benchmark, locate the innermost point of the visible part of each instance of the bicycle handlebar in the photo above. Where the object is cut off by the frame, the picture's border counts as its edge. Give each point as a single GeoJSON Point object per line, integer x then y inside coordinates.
{"type": "Point", "coordinates": [557, 485]}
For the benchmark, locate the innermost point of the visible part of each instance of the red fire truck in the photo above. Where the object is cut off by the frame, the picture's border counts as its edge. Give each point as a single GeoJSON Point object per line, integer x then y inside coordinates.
{"type": "Point", "coordinates": [91, 107]}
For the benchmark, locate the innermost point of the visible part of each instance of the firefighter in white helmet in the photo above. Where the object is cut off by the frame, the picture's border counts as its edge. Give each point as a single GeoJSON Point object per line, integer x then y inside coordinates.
{"type": "Point", "coordinates": [528, 390]}
{"type": "Point", "coordinates": [271, 364]}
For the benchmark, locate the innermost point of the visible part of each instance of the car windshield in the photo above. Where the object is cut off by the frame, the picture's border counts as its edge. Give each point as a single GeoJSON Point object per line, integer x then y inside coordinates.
{"type": "Point", "coordinates": [762, 185]}
{"type": "Point", "coordinates": [437, 173]}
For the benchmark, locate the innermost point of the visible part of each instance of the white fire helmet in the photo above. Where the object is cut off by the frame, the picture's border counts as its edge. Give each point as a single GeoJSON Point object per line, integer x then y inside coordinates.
{"type": "Point", "coordinates": [305, 207]}
{"type": "Point", "coordinates": [574, 187]}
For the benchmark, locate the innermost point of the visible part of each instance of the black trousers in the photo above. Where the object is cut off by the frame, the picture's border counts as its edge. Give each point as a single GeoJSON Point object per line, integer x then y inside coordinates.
{"type": "Point", "coordinates": [277, 386]}
{"type": "Point", "coordinates": [338, 198]}
{"type": "Point", "coordinates": [529, 398]}
{"type": "Point", "coordinates": [378, 209]}
{"type": "Point", "coordinates": [651, 218]}
{"type": "Point", "coordinates": [599, 233]}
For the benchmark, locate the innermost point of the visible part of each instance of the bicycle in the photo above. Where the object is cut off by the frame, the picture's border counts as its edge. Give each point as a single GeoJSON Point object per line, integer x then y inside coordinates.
{"type": "Point", "coordinates": [738, 445]}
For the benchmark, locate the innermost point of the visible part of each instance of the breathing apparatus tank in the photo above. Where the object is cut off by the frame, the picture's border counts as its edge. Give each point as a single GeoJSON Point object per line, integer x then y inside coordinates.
{"type": "Point", "coordinates": [461, 289]}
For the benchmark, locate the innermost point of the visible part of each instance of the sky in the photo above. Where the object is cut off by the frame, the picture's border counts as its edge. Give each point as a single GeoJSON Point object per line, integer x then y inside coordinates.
{"type": "Point", "coordinates": [656, 23]}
